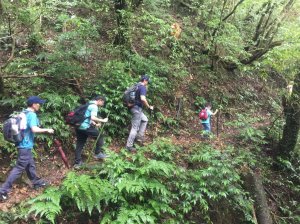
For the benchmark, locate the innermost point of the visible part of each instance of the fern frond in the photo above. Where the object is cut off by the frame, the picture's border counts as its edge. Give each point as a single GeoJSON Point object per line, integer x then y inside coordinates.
{"type": "Point", "coordinates": [47, 204]}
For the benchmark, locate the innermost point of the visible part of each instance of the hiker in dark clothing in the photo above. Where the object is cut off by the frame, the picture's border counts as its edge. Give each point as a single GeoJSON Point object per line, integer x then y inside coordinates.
{"type": "Point", "coordinates": [89, 129]}
{"type": "Point", "coordinates": [25, 158]}
{"type": "Point", "coordinates": [139, 120]}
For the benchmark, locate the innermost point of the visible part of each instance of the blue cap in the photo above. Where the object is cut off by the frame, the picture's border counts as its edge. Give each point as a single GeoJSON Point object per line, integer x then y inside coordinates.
{"type": "Point", "coordinates": [145, 77]}
{"type": "Point", "coordinates": [35, 99]}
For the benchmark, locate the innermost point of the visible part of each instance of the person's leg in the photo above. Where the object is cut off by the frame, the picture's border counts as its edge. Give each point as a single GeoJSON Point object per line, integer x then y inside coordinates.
{"type": "Point", "coordinates": [143, 126]}
{"type": "Point", "coordinates": [81, 140]}
{"type": "Point", "coordinates": [16, 172]}
{"type": "Point", "coordinates": [135, 125]}
{"type": "Point", "coordinates": [94, 133]}
{"type": "Point", "coordinates": [31, 171]}
{"type": "Point", "coordinates": [206, 128]}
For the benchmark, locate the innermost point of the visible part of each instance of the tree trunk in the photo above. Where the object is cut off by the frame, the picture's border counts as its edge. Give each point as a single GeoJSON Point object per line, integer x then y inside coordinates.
{"type": "Point", "coordinates": [255, 186]}
{"type": "Point", "coordinates": [291, 128]}
{"type": "Point", "coordinates": [122, 35]}
{"type": "Point", "coordinates": [1, 8]}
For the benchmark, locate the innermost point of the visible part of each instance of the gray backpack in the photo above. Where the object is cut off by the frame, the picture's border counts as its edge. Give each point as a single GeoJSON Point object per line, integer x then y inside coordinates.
{"type": "Point", "coordinates": [14, 127]}
{"type": "Point", "coordinates": [129, 95]}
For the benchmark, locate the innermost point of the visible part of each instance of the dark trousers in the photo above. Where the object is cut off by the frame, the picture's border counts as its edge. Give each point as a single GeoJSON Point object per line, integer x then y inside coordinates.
{"type": "Point", "coordinates": [82, 136]}
{"type": "Point", "coordinates": [24, 162]}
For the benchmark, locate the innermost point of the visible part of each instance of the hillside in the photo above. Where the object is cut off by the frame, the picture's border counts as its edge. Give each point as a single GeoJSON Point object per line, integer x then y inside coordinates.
{"type": "Point", "coordinates": [242, 56]}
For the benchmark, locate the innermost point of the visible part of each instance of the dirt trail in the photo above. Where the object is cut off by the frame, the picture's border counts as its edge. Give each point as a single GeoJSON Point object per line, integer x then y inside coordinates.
{"type": "Point", "coordinates": [52, 169]}
{"type": "Point", "coordinates": [48, 167]}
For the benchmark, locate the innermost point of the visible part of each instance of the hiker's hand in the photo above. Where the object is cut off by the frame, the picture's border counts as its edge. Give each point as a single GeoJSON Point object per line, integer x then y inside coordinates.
{"type": "Point", "coordinates": [104, 120]}
{"type": "Point", "coordinates": [151, 107]}
{"type": "Point", "coordinates": [50, 131]}
{"type": "Point", "coordinates": [98, 125]}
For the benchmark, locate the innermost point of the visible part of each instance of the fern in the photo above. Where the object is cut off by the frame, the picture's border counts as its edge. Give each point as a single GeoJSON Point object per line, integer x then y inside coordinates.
{"type": "Point", "coordinates": [87, 191]}
{"type": "Point", "coordinates": [137, 214]}
{"type": "Point", "coordinates": [153, 188]}
{"type": "Point", "coordinates": [46, 204]}
{"type": "Point", "coordinates": [159, 168]}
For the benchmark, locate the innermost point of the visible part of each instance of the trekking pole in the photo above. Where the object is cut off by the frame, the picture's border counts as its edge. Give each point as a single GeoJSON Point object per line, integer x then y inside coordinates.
{"type": "Point", "coordinates": [100, 132]}
{"type": "Point", "coordinates": [218, 117]}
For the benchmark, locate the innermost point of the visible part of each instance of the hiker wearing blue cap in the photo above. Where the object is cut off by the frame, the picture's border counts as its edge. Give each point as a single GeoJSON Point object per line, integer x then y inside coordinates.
{"type": "Point", "coordinates": [25, 158]}
{"type": "Point", "coordinates": [139, 120]}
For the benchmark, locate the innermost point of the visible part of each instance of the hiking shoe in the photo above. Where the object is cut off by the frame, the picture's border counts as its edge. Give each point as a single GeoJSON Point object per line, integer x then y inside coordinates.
{"type": "Point", "coordinates": [100, 156]}
{"type": "Point", "coordinates": [140, 142]}
{"type": "Point", "coordinates": [77, 166]}
{"type": "Point", "coordinates": [40, 185]}
{"type": "Point", "coordinates": [3, 197]}
{"type": "Point", "coordinates": [131, 149]}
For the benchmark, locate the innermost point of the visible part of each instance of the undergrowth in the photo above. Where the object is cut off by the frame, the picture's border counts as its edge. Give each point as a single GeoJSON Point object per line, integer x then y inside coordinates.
{"type": "Point", "coordinates": [158, 184]}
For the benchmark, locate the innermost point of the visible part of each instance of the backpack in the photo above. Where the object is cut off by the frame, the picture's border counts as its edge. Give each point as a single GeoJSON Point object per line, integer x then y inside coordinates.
{"type": "Point", "coordinates": [129, 95]}
{"type": "Point", "coordinates": [203, 115]}
{"type": "Point", "coordinates": [77, 116]}
{"type": "Point", "coordinates": [14, 127]}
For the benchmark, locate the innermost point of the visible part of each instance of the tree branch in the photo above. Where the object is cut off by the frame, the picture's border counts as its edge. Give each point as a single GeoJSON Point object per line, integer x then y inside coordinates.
{"type": "Point", "coordinates": [25, 76]}
{"type": "Point", "coordinates": [233, 10]}
{"type": "Point", "coordinates": [260, 52]}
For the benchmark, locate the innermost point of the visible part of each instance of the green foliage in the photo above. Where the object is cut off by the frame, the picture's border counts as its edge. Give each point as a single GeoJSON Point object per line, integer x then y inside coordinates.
{"type": "Point", "coordinates": [287, 199]}
{"type": "Point", "coordinates": [215, 180]}
{"type": "Point", "coordinates": [6, 217]}
{"type": "Point", "coordinates": [200, 102]}
{"type": "Point", "coordinates": [46, 204]}
{"type": "Point", "coordinates": [86, 191]}
{"type": "Point", "coordinates": [247, 131]}
{"type": "Point", "coordinates": [152, 186]}
{"type": "Point", "coordinates": [114, 80]}
{"type": "Point", "coordinates": [66, 46]}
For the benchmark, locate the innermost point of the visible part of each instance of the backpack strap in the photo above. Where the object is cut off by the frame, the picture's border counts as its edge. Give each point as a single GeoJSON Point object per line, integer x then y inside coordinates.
{"type": "Point", "coordinates": [88, 104]}
{"type": "Point", "coordinates": [23, 117]}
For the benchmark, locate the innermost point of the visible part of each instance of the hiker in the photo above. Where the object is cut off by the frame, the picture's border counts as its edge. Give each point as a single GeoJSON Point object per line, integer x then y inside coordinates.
{"type": "Point", "coordinates": [89, 128]}
{"type": "Point", "coordinates": [139, 120]}
{"type": "Point", "coordinates": [206, 123]}
{"type": "Point", "coordinates": [25, 159]}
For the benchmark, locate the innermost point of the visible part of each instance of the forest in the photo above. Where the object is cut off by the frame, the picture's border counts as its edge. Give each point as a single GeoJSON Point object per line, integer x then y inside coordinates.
{"type": "Point", "coordinates": [242, 56]}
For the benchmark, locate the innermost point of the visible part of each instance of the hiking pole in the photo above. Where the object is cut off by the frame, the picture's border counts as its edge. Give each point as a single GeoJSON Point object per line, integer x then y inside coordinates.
{"type": "Point", "coordinates": [100, 132]}
{"type": "Point", "coordinates": [218, 117]}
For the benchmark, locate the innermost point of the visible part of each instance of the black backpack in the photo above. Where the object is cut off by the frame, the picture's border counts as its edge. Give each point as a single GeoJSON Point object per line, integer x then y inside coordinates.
{"type": "Point", "coordinates": [129, 95]}
{"type": "Point", "coordinates": [77, 116]}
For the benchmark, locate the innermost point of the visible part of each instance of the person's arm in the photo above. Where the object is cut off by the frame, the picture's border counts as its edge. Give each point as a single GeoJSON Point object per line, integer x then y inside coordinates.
{"type": "Point", "coordinates": [94, 113]}
{"type": "Point", "coordinates": [145, 102]}
{"type": "Point", "coordinates": [215, 112]}
{"type": "Point", "coordinates": [98, 120]}
{"type": "Point", "coordinates": [33, 124]}
{"type": "Point", "coordinates": [36, 129]}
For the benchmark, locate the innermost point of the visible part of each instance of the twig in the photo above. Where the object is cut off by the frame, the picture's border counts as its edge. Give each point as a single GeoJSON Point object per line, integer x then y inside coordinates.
{"type": "Point", "coordinates": [100, 132]}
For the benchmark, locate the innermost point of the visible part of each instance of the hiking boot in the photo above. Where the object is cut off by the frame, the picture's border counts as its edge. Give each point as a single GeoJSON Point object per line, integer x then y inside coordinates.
{"type": "Point", "coordinates": [77, 166]}
{"type": "Point", "coordinates": [140, 142]}
{"type": "Point", "coordinates": [100, 156]}
{"type": "Point", "coordinates": [40, 185]}
{"type": "Point", "coordinates": [131, 149]}
{"type": "Point", "coordinates": [3, 197]}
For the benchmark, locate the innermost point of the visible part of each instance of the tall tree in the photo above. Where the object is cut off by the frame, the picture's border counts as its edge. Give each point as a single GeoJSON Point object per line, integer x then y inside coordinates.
{"type": "Point", "coordinates": [292, 125]}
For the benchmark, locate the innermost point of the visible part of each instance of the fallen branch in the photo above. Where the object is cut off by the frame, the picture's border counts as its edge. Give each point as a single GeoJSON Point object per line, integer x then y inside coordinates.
{"type": "Point", "coordinates": [24, 76]}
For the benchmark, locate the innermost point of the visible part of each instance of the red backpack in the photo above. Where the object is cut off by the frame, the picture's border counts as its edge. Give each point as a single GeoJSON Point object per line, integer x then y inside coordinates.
{"type": "Point", "coordinates": [203, 115]}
